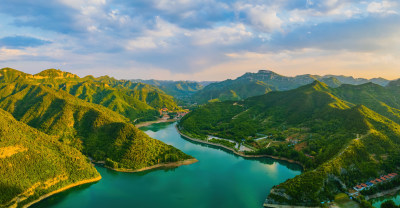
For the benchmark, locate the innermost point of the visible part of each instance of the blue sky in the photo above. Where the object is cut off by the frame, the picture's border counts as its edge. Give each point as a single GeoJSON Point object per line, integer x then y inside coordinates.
{"type": "Point", "coordinates": [202, 39]}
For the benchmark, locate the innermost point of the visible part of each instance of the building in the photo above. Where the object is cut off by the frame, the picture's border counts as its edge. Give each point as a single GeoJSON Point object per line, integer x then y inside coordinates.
{"type": "Point", "coordinates": [371, 183]}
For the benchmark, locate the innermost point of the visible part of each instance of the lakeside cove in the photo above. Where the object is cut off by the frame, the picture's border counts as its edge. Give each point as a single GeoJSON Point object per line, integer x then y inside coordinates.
{"type": "Point", "coordinates": [238, 152]}
{"type": "Point", "coordinates": [219, 178]}
{"type": "Point", "coordinates": [88, 181]}
{"type": "Point", "coordinates": [161, 165]}
{"type": "Point", "coordinates": [148, 123]}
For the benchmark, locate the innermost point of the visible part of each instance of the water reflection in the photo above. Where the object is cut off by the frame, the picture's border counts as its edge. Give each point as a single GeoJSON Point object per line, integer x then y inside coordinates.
{"type": "Point", "coordinates": [378, 201]}
{"type": "Point", "coordinates": [264, 160]}
{"type": "Point", "coordinates": [219, 179]}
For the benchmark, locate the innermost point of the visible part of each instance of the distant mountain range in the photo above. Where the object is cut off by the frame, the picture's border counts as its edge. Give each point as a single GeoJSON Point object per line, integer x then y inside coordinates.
{"type": "Point", "coordinates": [252, 84]}
{"type": "Point", "coordinates": [247, 85]}
{"type": "Point", "coordinates": [343, 136]}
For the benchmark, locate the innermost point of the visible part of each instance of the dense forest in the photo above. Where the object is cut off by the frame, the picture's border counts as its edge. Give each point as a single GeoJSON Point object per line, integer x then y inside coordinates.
{"type": "Point", "coordinates": [46, 129]}
{"type": "Point", "coordinates": [136, 101]}
{"type": "Point", "coordinates": [33, 163]}
{"type": "Point", "coordinates": [95, 130]}
{"type": "Point", "coordinates": [343, 136]}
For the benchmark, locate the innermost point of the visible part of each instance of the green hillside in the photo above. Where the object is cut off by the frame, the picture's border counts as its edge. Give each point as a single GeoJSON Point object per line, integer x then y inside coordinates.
{"type": "Point", "coordinates": [95, 130]}
{"type": "Point", "coordinates": [136, 101]}
{"type": "Point", "coordinates": [253, 84]}
{"type": "Point", "coordinates": [358, 160]}
{"type": "Point", "coordinates": [332, 131]}
{"type": "Point", "coordinates": [182, 91]}
{"type": "Point", "coordinates": [383, 100]}
{"type": "Point", "coordinates": [34, 164]}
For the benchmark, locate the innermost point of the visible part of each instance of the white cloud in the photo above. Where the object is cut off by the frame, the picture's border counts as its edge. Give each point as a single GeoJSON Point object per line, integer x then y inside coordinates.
{"type": "Point", "coordinates": [383, 7]}
{"type": "Point", "coordinates": [78, 4]}
{"type": "Point", "coordinates": [141, 43]}
{"type": "Point", "coordinates": [262, 17]}
{"type": "Point", "coordinates": [11, 53]}
{"type": "Point", "coordinates": [157, 37]}
{"type": "Point", "coordinates": [225, 35]}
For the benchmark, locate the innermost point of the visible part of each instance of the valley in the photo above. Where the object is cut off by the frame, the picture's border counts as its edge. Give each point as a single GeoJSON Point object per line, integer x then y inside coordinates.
{"type": "Point", "coordinates": [341, 134]}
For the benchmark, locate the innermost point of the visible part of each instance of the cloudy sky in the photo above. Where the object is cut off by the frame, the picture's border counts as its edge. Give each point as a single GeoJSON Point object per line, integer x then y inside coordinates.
{"type": "Point", "coordinates": [202, 39]}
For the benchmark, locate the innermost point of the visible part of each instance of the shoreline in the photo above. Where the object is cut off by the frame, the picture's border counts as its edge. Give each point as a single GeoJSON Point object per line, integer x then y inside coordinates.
{"type": "Point", "coordinates": [239, 153]}
{"type": "Point", "coordinates": [62, 189]}
{"type": "Point", "coordinates": [161, 165]}
{"type": "Point", "coordinates": [390, 192]}
{"type": "Point", "coordinates": [148, 123]}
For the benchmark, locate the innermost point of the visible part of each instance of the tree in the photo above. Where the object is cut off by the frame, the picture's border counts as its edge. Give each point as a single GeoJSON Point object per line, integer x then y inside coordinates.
{"type": "Point", "coordinates": [389, 204]}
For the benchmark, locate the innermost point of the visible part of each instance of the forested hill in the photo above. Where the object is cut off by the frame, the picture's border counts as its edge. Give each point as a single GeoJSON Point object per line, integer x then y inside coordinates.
{"type": "Point", "coordinates": [252, 84]}
{"type": "Point", "coordinates": [178, 89]}
{"type": "Point", "coordinates": [343, 135]}
{"type": "Point", "coordinates": [136, 101]}
{"type": "Point", "coordinates": [34, 164]}
{"type": "Point", "coordinates": [95, 130]}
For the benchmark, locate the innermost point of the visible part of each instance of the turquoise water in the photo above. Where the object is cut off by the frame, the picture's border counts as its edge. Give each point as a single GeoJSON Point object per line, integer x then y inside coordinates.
{"type": "Point", "coordinates": [377, 202]}
{"type": "Point", "coordinates": [219, 179]}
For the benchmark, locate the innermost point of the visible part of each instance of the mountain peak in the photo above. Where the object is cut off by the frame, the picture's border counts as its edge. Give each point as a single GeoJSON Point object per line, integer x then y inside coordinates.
{"type": "Point", "coordinates": [9, 74]}
{"type": "Point", "coordinates": [265, 71]}
{"type": "Point", "coordinates": [54, 73]}
{"type": "Point", "coordinates": [11, 70]}
{"type": "Point", "coordinates": [317, 85]}
{"type": "Point", "coordinates": [394, 83]}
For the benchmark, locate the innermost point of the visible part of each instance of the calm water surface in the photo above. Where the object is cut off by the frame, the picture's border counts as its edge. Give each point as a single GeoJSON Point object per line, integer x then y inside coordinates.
{"type": "Point", "coordinates": [219, 179]}
{"type": "Point", "coordinates": [377, 202]}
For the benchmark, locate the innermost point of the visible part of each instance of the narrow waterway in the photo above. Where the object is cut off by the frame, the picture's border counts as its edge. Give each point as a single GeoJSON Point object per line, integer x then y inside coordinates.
{"type": "Point", "coordinates": [220, 179]}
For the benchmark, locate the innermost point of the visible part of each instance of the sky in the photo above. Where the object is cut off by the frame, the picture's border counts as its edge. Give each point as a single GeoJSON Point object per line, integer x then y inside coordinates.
{"type": "Point", "coordinates": [201, 39]}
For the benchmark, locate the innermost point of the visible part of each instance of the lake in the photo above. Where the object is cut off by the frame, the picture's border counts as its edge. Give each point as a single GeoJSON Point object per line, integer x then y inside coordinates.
{"type": "Point", "coordinates": [219, 179]}
{"type": "Point", "coordinates": [377, 202]}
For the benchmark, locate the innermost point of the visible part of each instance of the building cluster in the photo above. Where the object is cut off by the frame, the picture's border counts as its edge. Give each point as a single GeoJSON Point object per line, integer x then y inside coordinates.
{"type": "Point", "coordinates": [371, 183]}
{"type": "Point", "coordinates": [179, 114]}
{"type": "Point", "coordinates": [163, 111]}
{"type": "Point", "coordinates": [182, 113]}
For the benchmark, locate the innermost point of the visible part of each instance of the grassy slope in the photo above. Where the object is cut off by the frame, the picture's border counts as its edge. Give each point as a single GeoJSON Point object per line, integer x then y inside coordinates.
{"type": "Point", "coordinates": [380, 99]}
{"type": "Point", "coordinates": [39, 165]}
